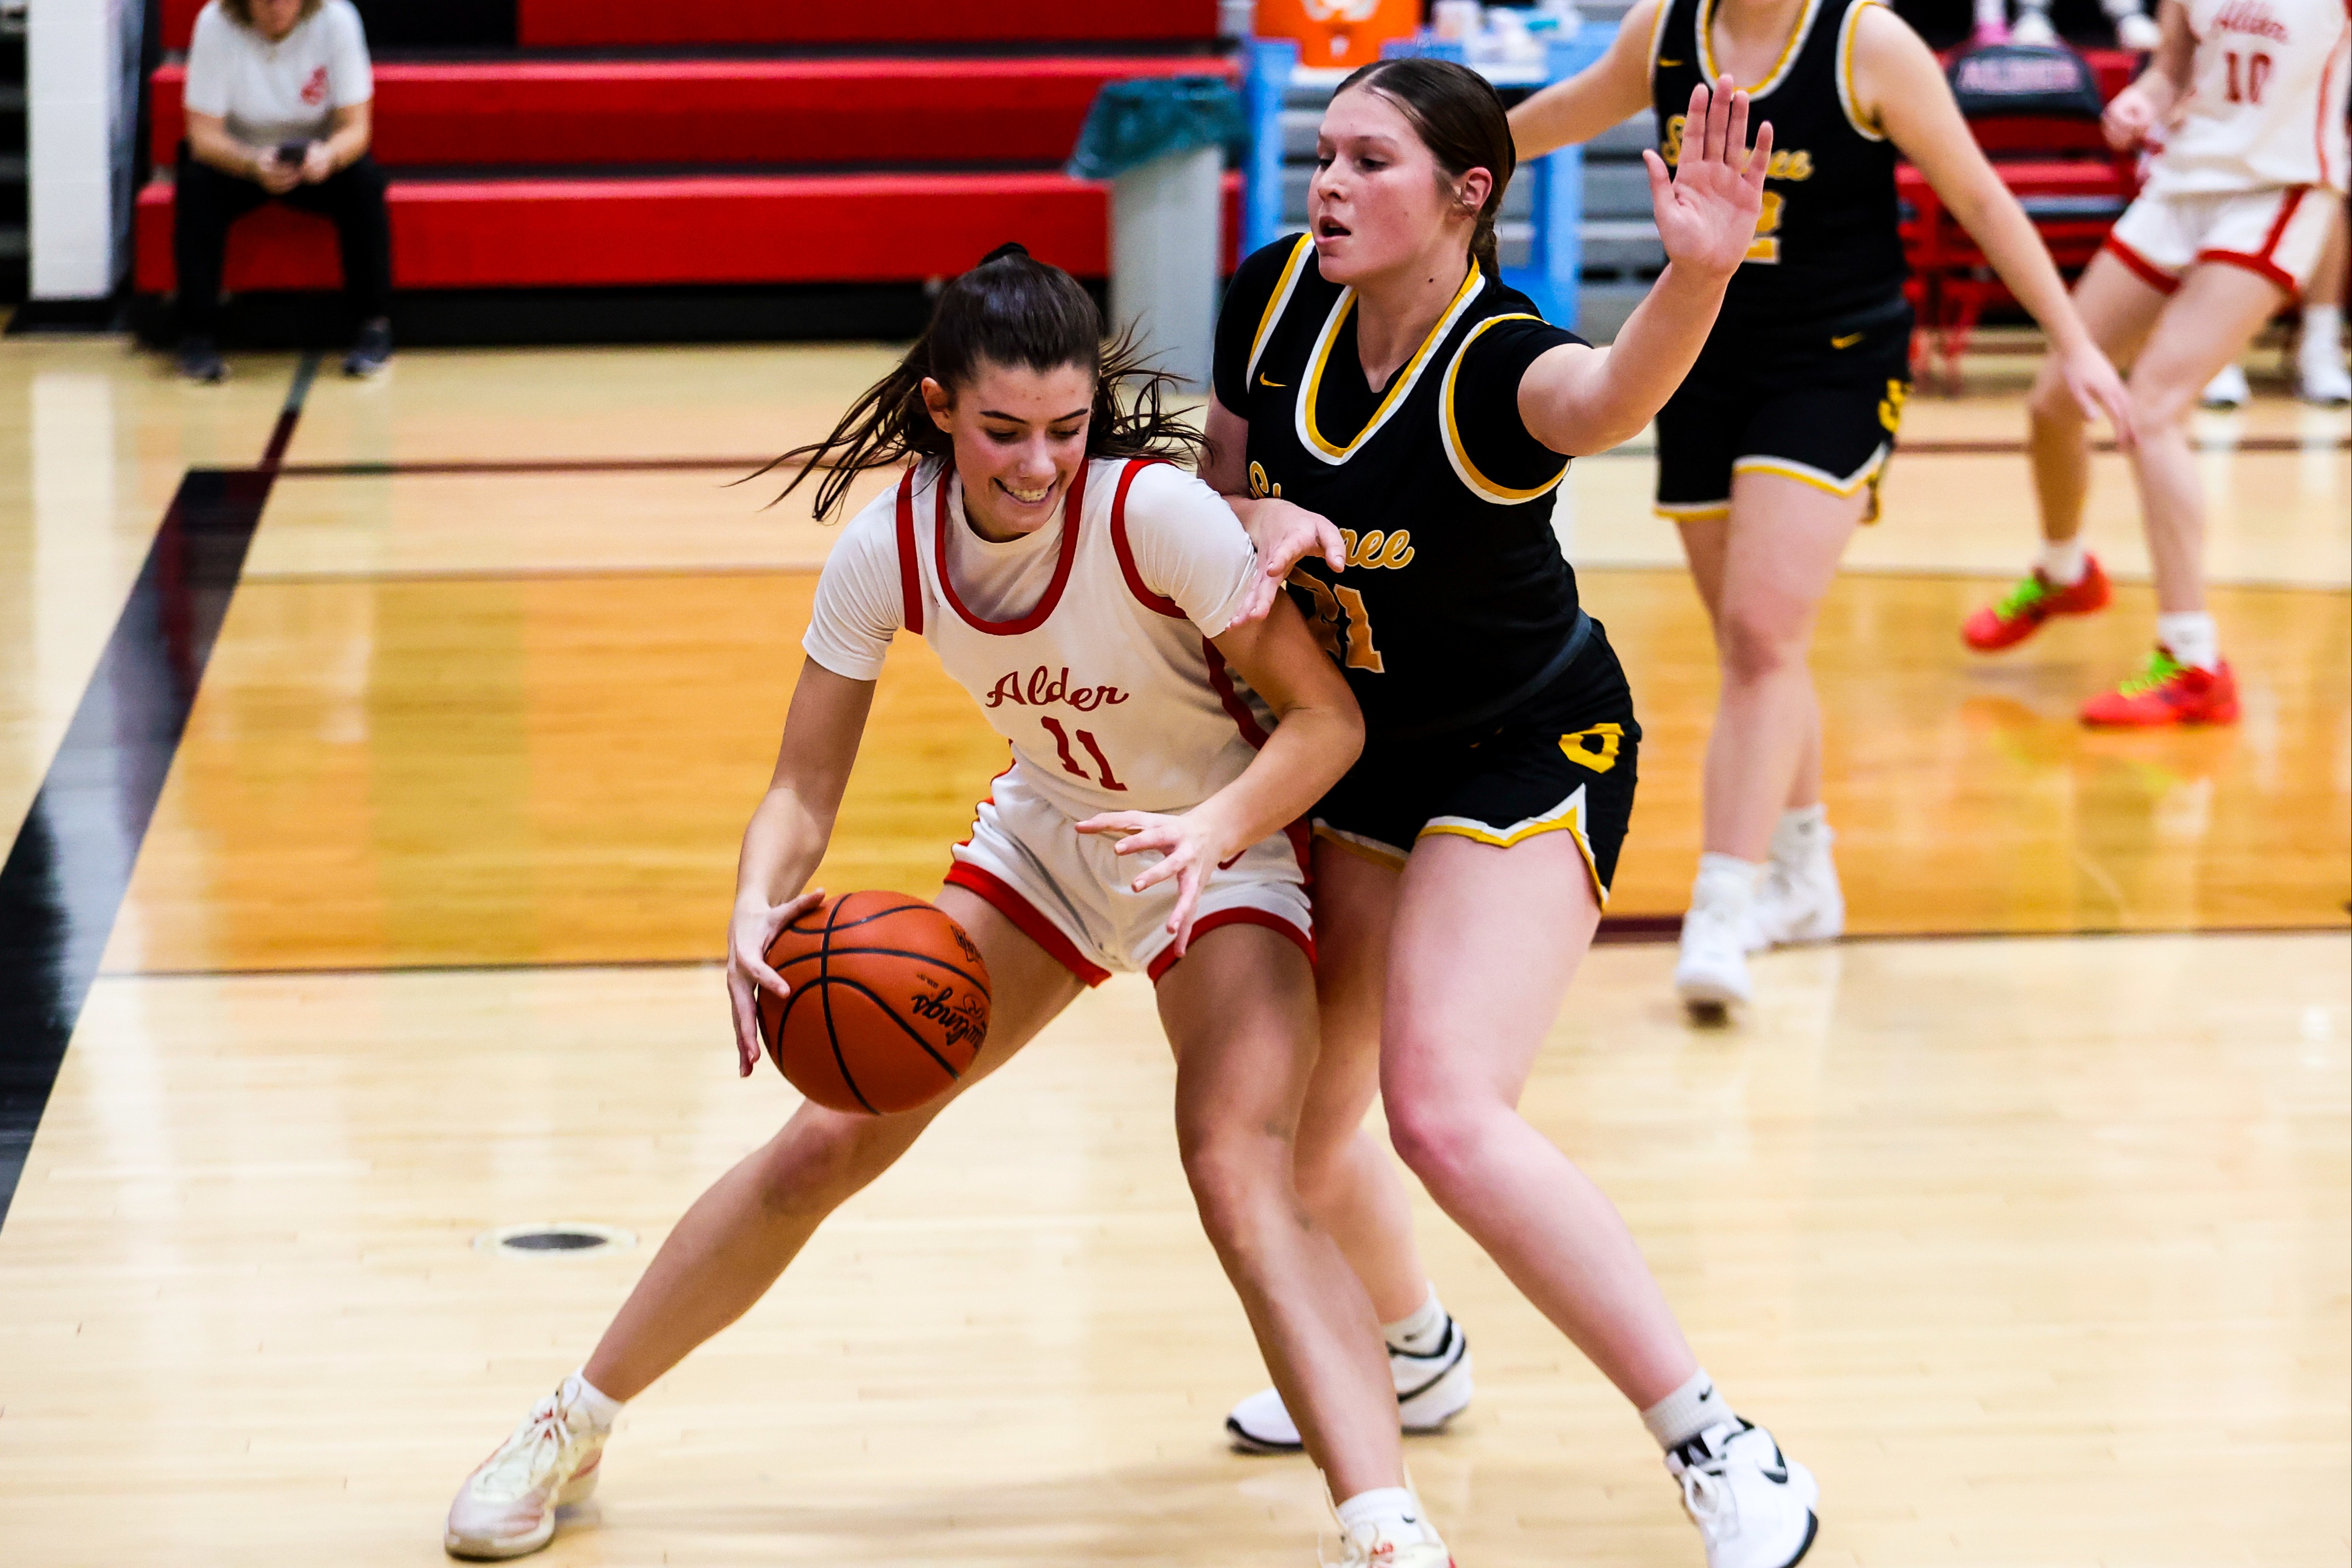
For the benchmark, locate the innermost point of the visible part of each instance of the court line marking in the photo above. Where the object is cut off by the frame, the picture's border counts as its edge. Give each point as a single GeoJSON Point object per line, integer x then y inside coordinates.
{"type": "Point", "coordinates": [70, 864]}
{"type": "Point", "coordinates": [493, 466]}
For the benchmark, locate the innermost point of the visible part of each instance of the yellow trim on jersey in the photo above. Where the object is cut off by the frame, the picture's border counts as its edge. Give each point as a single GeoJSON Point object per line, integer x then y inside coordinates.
{"type": "Point", "coordinates": [1371, 849]}
{"type": "Point", "coordinates": [1459, 455]}
{"type": "Point", "coordinates": [1566, 817]}
{"type": "Point", "coordinates": [1288, 281]}
{"type": "Point", "coordinates": [1693, 511]}
{"type": "Point", "coordinates": [1780, 66]}
{"type": "Point", "coordinates": [1845, 72]}
{"type": "Point", "coordinates": [1805, 473]}
{"type": "Point", "coordinates": [1658, 38]}
{"type": "Point", "coordinates": [1312, 438]}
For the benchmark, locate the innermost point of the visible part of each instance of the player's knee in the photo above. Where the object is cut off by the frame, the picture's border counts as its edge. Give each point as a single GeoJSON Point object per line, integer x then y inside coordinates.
{"type": "Point", "coordinates": [1758, 644]}
{"type": "Point", "coordinates": [2052, 402]}
{"type": "Point", "coordinates": [821, 1160]}
{"type": "Point", "coordinates": [1438, 1139]}
{"type": "Point", "coordinates": [1239, 1180]}
{"type": "Point", "coordinates": [2160, 396]}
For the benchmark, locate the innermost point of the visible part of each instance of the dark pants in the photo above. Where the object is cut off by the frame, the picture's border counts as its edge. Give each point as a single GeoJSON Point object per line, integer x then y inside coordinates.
{"type": "Point", "coordinates": [208, 201]}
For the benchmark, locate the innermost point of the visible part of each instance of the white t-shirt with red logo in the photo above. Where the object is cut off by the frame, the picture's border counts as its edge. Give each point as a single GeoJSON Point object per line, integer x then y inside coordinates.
{"type": "Point", "coordinates": [285, 92]}
{"type": "Point", "coordinates": [1086, 643]}
{"type": "Point", "coordinates": [2266, 103]}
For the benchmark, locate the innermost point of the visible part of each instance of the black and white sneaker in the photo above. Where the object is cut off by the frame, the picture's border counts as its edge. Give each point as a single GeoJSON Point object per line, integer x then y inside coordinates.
{"type": "Point", "coordinates": [370, 353]}
{"type": "Point", "coordinates": [1753, 1507]}
{"type": "Point", "coordinates": [199, 361]}
{"type": "Point", "coordinates": [1432, 1390]}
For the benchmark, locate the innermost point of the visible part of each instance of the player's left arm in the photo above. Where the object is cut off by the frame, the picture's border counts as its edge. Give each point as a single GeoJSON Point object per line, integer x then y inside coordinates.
{"type": "Point", "coordinates": [1899, 88]}
{"type": "Point", "coordinates": [1318, 732]}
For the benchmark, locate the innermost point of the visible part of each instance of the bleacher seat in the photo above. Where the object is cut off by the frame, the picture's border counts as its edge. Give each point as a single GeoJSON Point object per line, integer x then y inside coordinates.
{"type": "Point", "coordinates": [535, 169]}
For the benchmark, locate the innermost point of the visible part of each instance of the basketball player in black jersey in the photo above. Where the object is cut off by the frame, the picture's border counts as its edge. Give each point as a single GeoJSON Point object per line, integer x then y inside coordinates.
{"type": "Point", "coordinates": [1771, 452]}
{"type": "Point", "coordinates": [1378, 374]}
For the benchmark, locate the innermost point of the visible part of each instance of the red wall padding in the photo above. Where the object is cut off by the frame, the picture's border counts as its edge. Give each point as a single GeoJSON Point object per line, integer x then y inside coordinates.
{"type": "Point", "coordinates": [497, 233]}
{"type": "Point", "coordinates": [724, 111]}
{"type": "Point", "coordinates": [656, 22]}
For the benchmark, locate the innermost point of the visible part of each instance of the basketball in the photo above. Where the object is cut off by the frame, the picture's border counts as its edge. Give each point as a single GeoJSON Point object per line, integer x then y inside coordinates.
{"type": "Point", "coordinates": [889, 1002]}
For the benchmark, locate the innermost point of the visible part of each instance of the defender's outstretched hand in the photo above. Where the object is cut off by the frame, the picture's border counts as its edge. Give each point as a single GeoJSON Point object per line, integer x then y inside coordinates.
{"type": "Point", "coordinates": [1707, 208]}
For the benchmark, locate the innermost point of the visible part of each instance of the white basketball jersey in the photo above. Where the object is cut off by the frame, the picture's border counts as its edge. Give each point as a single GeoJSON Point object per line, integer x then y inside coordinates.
{"type": "Point", "coordinates": [2266, 98]}
{"type": "Point", "coordinates": [1112, 698]}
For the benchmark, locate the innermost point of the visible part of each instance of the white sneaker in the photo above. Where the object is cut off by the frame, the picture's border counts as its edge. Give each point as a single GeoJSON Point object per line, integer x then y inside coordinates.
{"type": "Point", "coordinates": [1375, 1546]}
{"type": "Point", "coordinates": [1432, 1390]}
{"type": "Point", "coordinates": [1799, 898]}
{"type": "Point", "coordinates": [506, 1507]}
{"type": "Point", "coordinates": [1718, 934]}
{"type": "Point", "coordinates": [2326, 384]}
{"type": "Point", "coordinates": [2227, 390]}
{"type": "Point", "coordinates": [1753, 1506]}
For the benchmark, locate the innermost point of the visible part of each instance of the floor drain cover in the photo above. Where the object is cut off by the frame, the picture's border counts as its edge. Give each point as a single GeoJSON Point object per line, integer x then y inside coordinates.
{"type": "Point", "coordinates": [558, 1238]}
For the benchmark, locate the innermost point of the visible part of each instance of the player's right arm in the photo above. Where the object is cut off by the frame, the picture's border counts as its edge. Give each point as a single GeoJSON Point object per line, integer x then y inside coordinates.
{"type": "Point", "coordinates": [1609, 92]}
{"type": "Point", "coordinates": [856, 613]}
{"type": "Point", "coordinates": [2150, 101]}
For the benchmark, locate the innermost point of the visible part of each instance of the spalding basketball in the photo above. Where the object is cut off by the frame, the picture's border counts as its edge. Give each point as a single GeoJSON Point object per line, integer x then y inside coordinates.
{"type": "Point", "coordinates": [888, 1003]}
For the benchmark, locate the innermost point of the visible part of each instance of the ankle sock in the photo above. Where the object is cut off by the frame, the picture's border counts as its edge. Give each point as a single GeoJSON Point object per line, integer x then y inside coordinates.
{"type": "Point", "coordinates": [578, 1393]}
{"type": "Point", "coordinates": [1423, 1334]}
{"type": "Point", "coordinates": [1387, 1506]}
{"type": "Point", "coordinates": [2190, 637]}
{"type": "Point", "coordinates": [1726, 879]}
{"type": "Point", "coordinates": [2063, 560]}
{"type": "Point", "coordinates": [2323, 338]}
{"type": "Point", "coordinates": [1800, 827]}
{"type": "Point", "coordinates": [1687, 1412]}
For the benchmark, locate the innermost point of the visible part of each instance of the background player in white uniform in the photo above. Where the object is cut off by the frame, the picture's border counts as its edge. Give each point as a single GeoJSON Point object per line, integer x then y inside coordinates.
{"type": "Point", "coordinates": [1085, 596]}
{"type": "Point", "coordinates": [2245, 101]}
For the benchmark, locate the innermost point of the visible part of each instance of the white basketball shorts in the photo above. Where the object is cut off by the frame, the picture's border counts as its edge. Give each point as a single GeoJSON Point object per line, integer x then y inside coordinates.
{"type": "Point", "coordinates": [1070, 892]}
{"type": "Point", "coordinates": [2277, 233]}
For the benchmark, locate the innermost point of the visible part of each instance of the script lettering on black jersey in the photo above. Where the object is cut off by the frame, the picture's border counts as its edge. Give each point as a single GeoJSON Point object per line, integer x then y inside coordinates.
{"type": "Point", "coordinates": [1042, 687]}
{"type": "Point", "coordinates": [1374, 550]}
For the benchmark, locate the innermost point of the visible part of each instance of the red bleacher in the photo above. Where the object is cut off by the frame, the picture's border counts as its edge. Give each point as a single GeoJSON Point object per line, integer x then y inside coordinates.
{"type": "Point", "coordinates": [546, 172]}
{"type": "Point", "coordinates": [542, 24]}
{"type": "Point", "coordinates": [802, 111]}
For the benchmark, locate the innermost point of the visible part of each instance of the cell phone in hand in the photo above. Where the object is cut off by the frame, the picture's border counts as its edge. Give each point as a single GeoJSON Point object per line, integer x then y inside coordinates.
{"type": "Point", "coordinates": [292, 154]}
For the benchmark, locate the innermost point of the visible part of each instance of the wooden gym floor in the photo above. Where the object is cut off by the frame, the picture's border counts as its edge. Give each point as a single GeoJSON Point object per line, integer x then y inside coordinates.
{"type": "Point", "coordinates": [2025, 1218]}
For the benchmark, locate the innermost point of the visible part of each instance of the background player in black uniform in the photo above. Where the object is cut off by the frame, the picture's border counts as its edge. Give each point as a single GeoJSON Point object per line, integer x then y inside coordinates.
{"type": "Point", "coordinates": [1771, 453]}
{"type": "Point", "coordinates": [1379, 375]}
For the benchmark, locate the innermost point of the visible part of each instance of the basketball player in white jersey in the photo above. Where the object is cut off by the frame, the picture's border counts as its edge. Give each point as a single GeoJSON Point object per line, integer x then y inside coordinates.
{"type": "Point", "coordinates": [2243, 104]}
{"type": "Point", "coordinates": [1086, 594]}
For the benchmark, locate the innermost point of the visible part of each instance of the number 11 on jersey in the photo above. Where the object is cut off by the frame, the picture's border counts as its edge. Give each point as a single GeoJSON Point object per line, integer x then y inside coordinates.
{"type": "Point", "coordinates": [1070, 763]}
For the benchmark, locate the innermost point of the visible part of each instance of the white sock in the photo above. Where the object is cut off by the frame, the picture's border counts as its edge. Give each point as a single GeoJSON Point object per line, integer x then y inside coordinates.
{"type": "Point", "coordinates": [1727, 879]}
{"type": "Point", "coordinates": [1687, 1412]}
{"type": "Point", "coordinates": [1421, 1334]}
{"type": "Point", "coordinates": [2063, 560]}
{"type": "Point", "coordinates": [1392, 1506]}
{"type": "Point", "coordinates": [2323, 338]}
{"type": "Point", "coordinates": [2189, 636]}
{"type": "Point", "coordinates": [578, 1393]}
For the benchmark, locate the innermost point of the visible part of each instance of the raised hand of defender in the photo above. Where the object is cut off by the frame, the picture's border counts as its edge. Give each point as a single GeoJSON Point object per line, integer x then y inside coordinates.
{"type": "Point", "coordinates": [1285, 535]}
{"type": "Point", "coordinates": [1707, 208]}
{"type": "Point", "coordinates": [1191, 846]}
{"type": "Point", "coordinates": [749, 934]}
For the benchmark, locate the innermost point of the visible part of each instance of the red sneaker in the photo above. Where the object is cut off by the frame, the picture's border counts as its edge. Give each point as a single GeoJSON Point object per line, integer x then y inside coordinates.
{"type": "Point", "coordinates": [2020, 612]}
{"type": "Point", "coordinates": [2167, 692]}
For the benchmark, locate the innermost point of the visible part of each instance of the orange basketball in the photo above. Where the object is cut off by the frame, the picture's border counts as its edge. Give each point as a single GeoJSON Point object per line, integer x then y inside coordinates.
{"type": "Point", "coordinates": [888, 1003]}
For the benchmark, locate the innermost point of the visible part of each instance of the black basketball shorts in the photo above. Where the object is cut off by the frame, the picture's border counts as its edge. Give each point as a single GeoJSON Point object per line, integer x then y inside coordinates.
{"type": "Point", "coordinates": [1560, 761]}
{"type": "Point", "coordinates": [1821, 408]}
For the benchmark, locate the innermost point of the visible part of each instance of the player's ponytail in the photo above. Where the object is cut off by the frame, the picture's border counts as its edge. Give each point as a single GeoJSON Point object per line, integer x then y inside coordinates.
{"type": "Point", "coordinates": [1462, 122]}
{"type": "Point", "coordinates": [1012, 309]}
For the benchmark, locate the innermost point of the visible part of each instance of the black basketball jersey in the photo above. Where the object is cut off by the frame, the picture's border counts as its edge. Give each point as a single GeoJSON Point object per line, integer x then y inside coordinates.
{"type": "Point", "coordinates": [1827, 245]}
{"type": "Point", "coordinates": [1457, 599]}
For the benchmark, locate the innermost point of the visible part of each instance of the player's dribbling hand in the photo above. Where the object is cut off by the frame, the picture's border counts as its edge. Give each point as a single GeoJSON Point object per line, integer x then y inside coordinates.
{"type": "Point", "coordinates": [1285, 535]}
{"type": "Point", "coordinates": [749, 933]}
{"type": "Point", "coordinates": [1189, 846]}
{"type": "Point", "coordinates": [2128, 119]}
{"type": "Point", "coordinates": [1707, 208]}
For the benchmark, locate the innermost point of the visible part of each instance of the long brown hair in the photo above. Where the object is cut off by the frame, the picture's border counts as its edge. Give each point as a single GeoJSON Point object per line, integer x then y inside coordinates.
{"type": "Point", "coordinates": [1012, 309]}
{"type": "Point", "coordinates": [1461, 120]}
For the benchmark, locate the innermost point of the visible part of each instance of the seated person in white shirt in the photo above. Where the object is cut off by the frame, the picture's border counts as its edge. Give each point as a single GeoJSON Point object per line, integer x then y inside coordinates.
{"type": "Point", "coordinates": [278, 105]}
